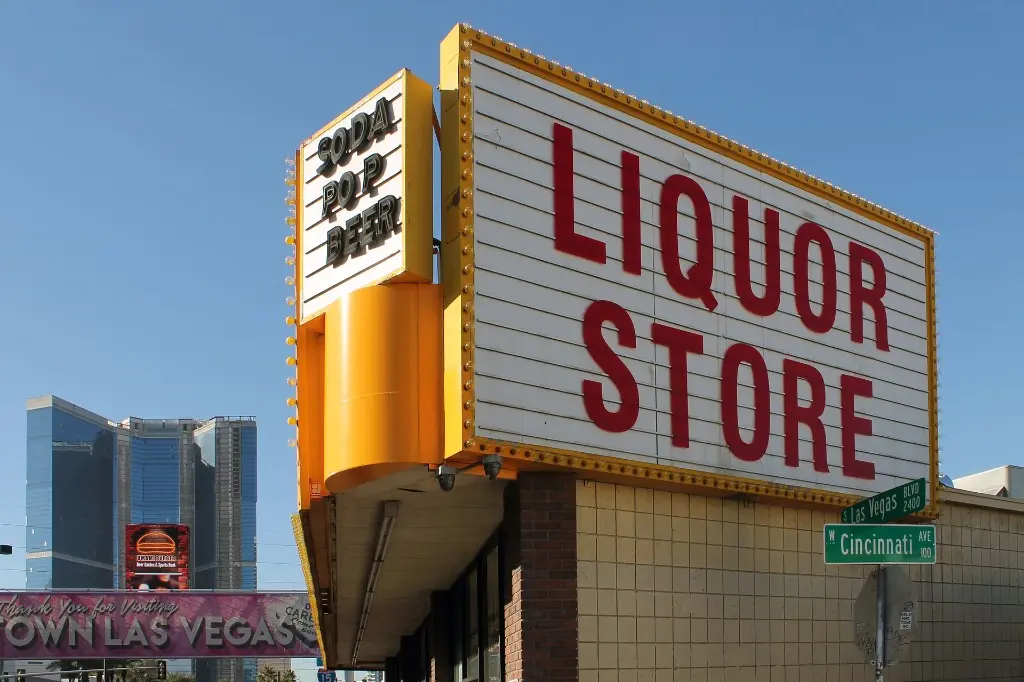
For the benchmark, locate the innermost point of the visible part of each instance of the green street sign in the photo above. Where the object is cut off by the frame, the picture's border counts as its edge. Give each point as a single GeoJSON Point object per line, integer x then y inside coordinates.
{"type": "Point", "coordinates": [893, 504]}
{"type": "Point", "coordinates": [850, 543]}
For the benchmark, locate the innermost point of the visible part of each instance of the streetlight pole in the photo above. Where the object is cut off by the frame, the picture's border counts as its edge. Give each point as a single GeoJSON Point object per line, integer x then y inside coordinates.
{"type": "Point", "coordinates": [5, 550]}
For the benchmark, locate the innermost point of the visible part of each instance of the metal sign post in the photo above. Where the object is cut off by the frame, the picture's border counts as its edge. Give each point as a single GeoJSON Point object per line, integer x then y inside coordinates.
{"type": "Point", "coordinates": [880, 625]}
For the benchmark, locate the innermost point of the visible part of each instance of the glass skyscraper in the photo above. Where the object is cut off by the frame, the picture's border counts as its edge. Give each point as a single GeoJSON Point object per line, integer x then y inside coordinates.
{"type": "Point", "coordinates": [87, 477]}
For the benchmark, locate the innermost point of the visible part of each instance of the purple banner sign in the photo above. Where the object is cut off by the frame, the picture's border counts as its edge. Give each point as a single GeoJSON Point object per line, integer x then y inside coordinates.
{"type": "Point", "coordinates": [170, 624]}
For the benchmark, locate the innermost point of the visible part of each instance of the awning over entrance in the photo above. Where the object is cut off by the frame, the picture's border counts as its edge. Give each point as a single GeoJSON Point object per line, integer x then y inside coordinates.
{"type": "Point", "coordinates": [394, 542]}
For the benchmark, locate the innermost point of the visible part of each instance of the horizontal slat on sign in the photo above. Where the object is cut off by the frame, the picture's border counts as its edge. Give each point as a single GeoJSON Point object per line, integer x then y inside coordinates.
{"type": "Point", "coordinates": [557, 296]}
{"type": "Point", "coordinates": [598, 183]}
{"type": "Point", "coordinates": [639, 443]}
{"type": "Point", "coordinates": [529, 327]}
{"type": "Point", "coordinates": [705, 375]}
{"type": "Point", "coordinates": [520, 250]}
{"type": "Point", "coordinates": [883, 482]}
{"type": "Point", "coordinates": [313, 209]}
{"type": "Point", "coordinates": [515, 87]}
{"type": "Point", "coordinates": [525, 381]}
{"type": "Point", "coordinates": [360, 273]}
{"type": "Point", "coordinates": [506, 213]}
{"type": "Point", "coordinates": [316, 233]}
{"type": "Point", "coordinates": [393, 94]}
{"type": "Point", "coordinates": [561, 433]}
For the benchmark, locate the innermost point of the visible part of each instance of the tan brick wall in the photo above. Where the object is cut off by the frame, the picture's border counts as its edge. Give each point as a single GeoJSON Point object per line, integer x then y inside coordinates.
{"type": "Point", "coordinates": [682, 588]}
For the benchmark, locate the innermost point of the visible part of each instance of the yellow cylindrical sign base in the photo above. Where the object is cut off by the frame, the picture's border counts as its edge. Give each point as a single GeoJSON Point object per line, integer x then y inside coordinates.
{"type": "Point", "coordinates": [382, 383]}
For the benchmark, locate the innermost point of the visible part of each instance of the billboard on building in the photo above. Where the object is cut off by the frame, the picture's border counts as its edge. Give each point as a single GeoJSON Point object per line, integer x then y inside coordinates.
{"type": "Point", "coordinates": [633, 294]}
{"type": "Point", "coordinates": [130, 625]}
{"type": "Point", "coordinates": [156, 556]}
{"type": "Point", "coordinates": [364, 196]}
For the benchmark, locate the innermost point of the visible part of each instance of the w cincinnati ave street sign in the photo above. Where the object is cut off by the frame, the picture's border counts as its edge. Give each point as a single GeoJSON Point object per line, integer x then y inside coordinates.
{"type": "Point", "coordinates": [879, 544]}
{"type": "Point", "coordinates": [893, 504]}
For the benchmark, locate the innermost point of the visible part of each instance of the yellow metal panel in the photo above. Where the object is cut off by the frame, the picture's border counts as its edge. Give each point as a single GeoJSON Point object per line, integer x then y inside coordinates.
{"type": "Point", "coordinates": [933, 373]}
{"type": "Point", "coordinates": [457, 247]}
{"type": "Point", "coordinates": [418, 180]}
{"type": "Point", "coordinates": [304, 470]}
{"type": "Point", "coordinates": [310, 352]}
{"type": "Point", "coordinates": [382, 390]}
{"type": "Point", "coordinates": [300, 543]}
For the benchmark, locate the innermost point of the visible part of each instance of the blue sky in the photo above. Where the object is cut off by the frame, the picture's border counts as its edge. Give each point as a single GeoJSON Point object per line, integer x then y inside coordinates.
{"type": "Point", "coordinates": [142, 196]}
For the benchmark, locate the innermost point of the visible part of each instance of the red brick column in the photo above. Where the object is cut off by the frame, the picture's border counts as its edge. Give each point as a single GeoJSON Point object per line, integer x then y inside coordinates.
{"type": "Point", "coordinates": [541, 626]}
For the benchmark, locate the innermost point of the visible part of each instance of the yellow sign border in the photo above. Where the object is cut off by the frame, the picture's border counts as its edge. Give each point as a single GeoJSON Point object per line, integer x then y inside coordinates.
{"type": "Point", "coordinates": [457, 269]}
{"type": "Point", "coordinates": [417, 215]}
{"type": "Point", "coordinates": [299, 531]}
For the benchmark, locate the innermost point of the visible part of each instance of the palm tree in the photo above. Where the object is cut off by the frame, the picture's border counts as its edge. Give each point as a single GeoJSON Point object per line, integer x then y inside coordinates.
{"type": "Point", "coordinates": [180, 677]}
{"type": "Point", "coordinates": [270, 674]}
{"type": "Point", "coordinates": [128, 670]}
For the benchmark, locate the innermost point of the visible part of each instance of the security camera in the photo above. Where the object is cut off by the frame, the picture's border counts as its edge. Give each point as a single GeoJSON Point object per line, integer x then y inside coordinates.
{"type": "Point", "coordinates": [492, 466]}
{"type": "Point", "coordinates": [446, 477]}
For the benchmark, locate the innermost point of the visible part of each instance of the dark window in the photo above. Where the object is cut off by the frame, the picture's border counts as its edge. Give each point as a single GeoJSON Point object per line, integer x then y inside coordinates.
{"type": "Point", "coordinates": [472, 626]}
{"type": "Point", "coordinates": [493, 618]}
{"type": "Point", "coordinates": [477, 619]}
{"type": "Point", "coordinates": [458, 629]}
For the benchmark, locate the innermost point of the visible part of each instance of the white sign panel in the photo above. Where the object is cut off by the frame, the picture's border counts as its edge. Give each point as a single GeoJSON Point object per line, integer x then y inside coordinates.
{"type": "Point", "coordinates": [643, 297]}
{"type": "Point", "coordinates": [365, 196]}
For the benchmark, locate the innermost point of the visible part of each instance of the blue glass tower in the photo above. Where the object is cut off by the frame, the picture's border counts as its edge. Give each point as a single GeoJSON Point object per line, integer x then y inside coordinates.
{"type": "Point", "coordinates": [71, 498]}
{"type": "Point", "coordinates": [88, 477]}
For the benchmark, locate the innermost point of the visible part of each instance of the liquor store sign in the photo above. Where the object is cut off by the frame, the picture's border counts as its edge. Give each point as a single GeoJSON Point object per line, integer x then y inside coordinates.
{"type": "Point", "coordinates": [643, 290]}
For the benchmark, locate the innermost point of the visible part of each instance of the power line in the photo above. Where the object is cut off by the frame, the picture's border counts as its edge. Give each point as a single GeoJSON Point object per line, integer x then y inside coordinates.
{"type": "Point", "coordinates": [42, 527]}
{"type": "Point", "coordinates": [258, 563]}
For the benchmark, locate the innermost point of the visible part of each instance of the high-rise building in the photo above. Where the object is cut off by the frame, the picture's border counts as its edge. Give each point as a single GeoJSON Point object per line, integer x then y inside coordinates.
{"type": "Point", "coordinates": [71, 498]}
{"type": "Point", "coordinates": [87, 477]}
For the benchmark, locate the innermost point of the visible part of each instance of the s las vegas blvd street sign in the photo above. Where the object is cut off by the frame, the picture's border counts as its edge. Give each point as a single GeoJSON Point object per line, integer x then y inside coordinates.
{"type": "Point", "coordinates": [893, 504]}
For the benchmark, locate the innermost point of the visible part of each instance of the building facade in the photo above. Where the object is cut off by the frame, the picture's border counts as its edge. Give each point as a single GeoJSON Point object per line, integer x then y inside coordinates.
{"type": "Point", "coordinates": [87, 477]}
{"type": "Point", "coordinates": [1004, 481]}
{"type": "Point", "coordinates": [592, 580]}
{"type": "Point", "coordinates": [71, 497]}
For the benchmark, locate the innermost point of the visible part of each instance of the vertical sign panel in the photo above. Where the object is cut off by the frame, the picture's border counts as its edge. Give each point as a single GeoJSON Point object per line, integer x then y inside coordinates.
{"type": "Point", "coordinates": [364, 189]}
{"type": "Point", "coordinates": [635, 290]}
{"type": "Point", "coordinates": [157, 556]}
